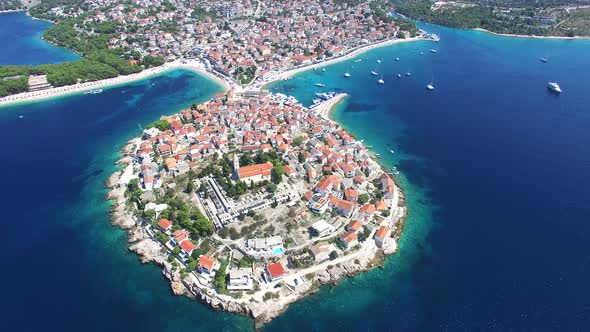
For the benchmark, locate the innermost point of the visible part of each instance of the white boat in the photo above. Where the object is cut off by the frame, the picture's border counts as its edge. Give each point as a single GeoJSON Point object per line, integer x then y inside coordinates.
{"type": "Point", "coordinates": [21, 116]}
{"type": "Point", "coordinates": [399, 75]}
{"type": "Point", "coordinates": [93, 92]}
{"type": "Point", "coordinates": [378, 61]}
{"type": "Point", "coordinates": [421, 53]}
{"type": "Point", "coordinates": [391, 151]}
{"type": "Point", "coordinates": [347, 74]}
{"type": "Point", "coordinates": [323, 69]}
{"type": "Point", "coordinates": [431, 85]}
{"type": "Point", "coordinates": [381, 81]}
{"type": "Point", "coordinates": [408, 74]}
{"type": "Point", "coordinates": [374, 73]}
{"type": "Point", "coordinates": [432, 50]}
{"type": "Point", "coordinates": [321, 85]}
{"type": "Point", "coordinates": [554, 87]}
{"type": "Point", "coordinates": [396, 59]}
{"type": "Point", "coordinates": [543, 60]}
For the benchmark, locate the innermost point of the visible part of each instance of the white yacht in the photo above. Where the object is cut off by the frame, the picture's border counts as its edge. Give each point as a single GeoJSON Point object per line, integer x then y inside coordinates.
{"type": "Point", "coordinates": [543, 60]}
{"type": "Point", "coordinates": [432, 50]}
{"type": "Point", "coordinates": [381, 81]}
{"type": "Point", "coordinates": [408, 74]}
{"type": "Point", "coordinates": [396, 59]}
{"type": "Point", "coordinates": [347, 74]}
{"type": "Point", "coordinates": [378, 61]}
{"type": "Point", "coordinates": [399, 75]}
{"type": "Point", "coordinates": [374, 73]}
{"type": "Point", "coordinates": [554, 87]}
{"type": "Point", "coordinates": [321, 85]}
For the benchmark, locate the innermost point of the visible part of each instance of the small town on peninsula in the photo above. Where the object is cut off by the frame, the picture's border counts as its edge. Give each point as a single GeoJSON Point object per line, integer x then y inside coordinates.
{"type": "Point", "coordinates": [250, 200]}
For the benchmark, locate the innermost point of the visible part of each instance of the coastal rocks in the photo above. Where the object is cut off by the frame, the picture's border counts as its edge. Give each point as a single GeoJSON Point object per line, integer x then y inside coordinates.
{"type": "Point", "coordinates": [120, 218]}
{"type": "Point", "coordinates": [124, 161]}
{"type": "Point", "coordinates": [137, 234]}
{"type": "Point", "coordinates": [111, 182]}
{"type": "Point", "coordinates": [390, 246]}
{"type": "Point", "coordinates": [130, 146]}
{"type": "Point", "coordinates": [149, 251]}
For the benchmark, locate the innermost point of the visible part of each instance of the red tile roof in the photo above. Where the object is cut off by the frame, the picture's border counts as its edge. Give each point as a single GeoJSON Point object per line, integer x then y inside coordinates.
{"type": "Point", "coordinates": [164, 224]}
{"type": "Point", "coordinates": [188, 246]}
{"type": "Point", "coordinates": [207, 262]}
{"type": "Point", "coordinates": [275, 270]}
{"type": "Point", "coordinates": [254, 170]}
{"type": "Point", "coordinates": [382, 232]}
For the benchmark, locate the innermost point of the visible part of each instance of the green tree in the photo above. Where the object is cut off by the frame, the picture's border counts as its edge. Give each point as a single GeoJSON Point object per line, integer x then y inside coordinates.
{"type": "Point", "coordinates": [297, 141]}
{"type": "Point", "coordinates": [276, 175]}
{"type": "Point", "coordinates": [223, 233]}
{"type": "Point", "coordinates": [162, 125]}
{"type": "Point", "coordinates": [363, 198]}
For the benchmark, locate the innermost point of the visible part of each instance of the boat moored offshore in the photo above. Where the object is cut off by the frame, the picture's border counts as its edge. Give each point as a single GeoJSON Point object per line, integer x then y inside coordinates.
{"type": "Point", "coordinates": [554, 87]}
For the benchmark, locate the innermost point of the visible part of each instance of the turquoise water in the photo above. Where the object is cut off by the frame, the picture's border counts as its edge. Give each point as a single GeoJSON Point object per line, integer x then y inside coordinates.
{"type": "Point", "coordinates": [20, 36]}
{"type": "Point", "coordinates": [494, 167]}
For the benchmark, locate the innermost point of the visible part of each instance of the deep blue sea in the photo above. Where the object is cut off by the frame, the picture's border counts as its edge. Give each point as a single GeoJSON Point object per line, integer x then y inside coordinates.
{"type": "Point", "coordinates": [20, 37]}
{"type": "Point", "coordinates": [494, 167]}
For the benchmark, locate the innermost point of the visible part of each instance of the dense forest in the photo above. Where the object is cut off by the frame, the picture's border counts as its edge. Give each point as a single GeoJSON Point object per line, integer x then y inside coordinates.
{"type": "Point", "coordinates": [468, 17]}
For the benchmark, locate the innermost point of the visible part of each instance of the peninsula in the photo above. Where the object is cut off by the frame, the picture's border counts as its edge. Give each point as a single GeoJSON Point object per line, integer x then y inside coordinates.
{"type": "Point", "coordinates": [250, 201]}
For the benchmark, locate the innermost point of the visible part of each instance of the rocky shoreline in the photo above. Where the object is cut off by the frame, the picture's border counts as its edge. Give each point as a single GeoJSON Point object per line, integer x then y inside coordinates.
{"type": "Point", "coordinates": [151, 252]}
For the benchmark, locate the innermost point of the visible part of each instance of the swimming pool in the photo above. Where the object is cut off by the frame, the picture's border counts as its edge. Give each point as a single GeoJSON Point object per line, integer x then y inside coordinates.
{"type": "Point", "coordinates": [277, 251]}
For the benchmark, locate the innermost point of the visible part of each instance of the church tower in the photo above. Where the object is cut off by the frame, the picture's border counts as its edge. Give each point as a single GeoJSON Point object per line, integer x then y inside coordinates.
{"type": "Point", "coordinates": [236, 167]}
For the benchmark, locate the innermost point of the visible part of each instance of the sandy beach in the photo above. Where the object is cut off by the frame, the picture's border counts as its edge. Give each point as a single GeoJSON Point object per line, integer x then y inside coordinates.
{"type": "Point", "coordinates": [349, 55]}
{"type": "Point", "coordinates": [192, 65]}
{"type": "Point", "coordinates": [530, 36]}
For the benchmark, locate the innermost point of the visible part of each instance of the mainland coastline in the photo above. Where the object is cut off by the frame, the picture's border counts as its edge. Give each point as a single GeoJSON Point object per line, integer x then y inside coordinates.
{"type": "Point", "coordinates": [192, 65]}
{"type": "Point", "coordinates": [532, 36]}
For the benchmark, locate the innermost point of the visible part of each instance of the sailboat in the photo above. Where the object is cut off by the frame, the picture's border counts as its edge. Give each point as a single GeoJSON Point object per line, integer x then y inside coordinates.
{"type": "Point", "coordinates": [431, 85]}
{"type": "Point", "coordinates": [381, 81]}
{"type": "Point", "coordinates": [374, 72]}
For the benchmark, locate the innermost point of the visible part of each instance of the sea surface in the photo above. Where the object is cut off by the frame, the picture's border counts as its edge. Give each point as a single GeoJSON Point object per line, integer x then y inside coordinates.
{"type": "Point", "coordinates": [494, 167]}
{"type": "Point", "coordinates": [20, 37]}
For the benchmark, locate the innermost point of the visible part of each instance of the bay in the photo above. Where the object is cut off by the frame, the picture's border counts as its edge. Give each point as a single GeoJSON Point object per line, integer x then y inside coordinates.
{"type": "Point", "coordinates": [21, 35]}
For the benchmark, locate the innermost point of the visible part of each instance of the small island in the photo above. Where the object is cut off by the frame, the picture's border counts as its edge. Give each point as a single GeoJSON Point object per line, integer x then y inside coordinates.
{"type": "Point", "coordinates": [251, 201]}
